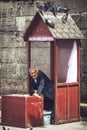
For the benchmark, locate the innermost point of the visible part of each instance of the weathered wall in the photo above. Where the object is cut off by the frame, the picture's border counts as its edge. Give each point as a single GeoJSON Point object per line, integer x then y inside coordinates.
{"type": "Point", "coordinates": [13, 50]}
{"type": "Point", "coordinates": [14, 18]}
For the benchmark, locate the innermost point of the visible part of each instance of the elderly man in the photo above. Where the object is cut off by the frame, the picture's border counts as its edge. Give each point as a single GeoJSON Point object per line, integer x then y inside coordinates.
{"type": "Point", "coordinates": [40, 84]}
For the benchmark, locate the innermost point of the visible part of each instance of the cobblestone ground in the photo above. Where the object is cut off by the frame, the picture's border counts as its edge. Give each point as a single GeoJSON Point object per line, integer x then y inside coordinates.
{"type": "Point", "coordinates": [82, 125]}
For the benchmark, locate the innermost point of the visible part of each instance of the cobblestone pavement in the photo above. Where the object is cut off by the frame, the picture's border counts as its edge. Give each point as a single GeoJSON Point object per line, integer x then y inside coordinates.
{"type": "Point", "coordinates": [81, 125]}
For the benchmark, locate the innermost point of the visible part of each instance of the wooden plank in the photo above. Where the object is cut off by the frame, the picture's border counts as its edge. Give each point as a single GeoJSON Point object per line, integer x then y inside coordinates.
{"type": "Point", "coordinates": [61, 104]}
{"type": "Point", "coordinates": [73, 102]}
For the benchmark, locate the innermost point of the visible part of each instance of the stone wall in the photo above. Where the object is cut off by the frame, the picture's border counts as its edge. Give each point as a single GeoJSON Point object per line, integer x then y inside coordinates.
{"type": "Point", "coordinates": [14, 19]}
{"type": "Point", "coordinates": [13, 50]}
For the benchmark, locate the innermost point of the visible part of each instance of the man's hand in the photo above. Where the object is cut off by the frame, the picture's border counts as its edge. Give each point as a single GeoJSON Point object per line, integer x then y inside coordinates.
{"type": "Point", "coordinates": [35, 94]}
{"type": "Point", "coordinates": [35, 91]}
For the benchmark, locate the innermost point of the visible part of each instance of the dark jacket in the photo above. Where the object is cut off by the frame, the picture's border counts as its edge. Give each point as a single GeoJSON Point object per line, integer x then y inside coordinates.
{"type": "Point", "coordinates": [43, 85]}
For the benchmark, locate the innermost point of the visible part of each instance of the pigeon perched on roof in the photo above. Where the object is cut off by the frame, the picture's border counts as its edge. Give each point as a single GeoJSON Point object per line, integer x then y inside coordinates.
{"type": "Point", "coordinates": [64, 18]}
{"type": "Point", "coordinates": [66, 9]}
{"type": "Point", "coordinates": [49, 23]}
{"type": "Point", "coordinates": [39, 6]}
{"type": "Point", "coordinates": [59, 9]}
{"type": "Point", "coordinates": [31, 2]}
{"type": "Point", "coordinates": [53, 10]}
{"type": "Point", "coordinates": [44, 7]}
{"type": "Point", "coordinates": [47, 5]}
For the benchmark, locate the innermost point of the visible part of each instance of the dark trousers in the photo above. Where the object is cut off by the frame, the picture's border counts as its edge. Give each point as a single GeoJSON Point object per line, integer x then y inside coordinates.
{"type": "Point", "coordinates": [49, 106]}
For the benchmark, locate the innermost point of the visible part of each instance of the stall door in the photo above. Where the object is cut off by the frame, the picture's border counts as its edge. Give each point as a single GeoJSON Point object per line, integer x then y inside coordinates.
{"type": "Point", "coordinates": [67, 84]}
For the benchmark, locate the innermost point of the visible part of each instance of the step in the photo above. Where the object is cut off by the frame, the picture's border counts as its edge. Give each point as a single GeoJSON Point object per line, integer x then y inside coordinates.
{"type": "Point", "coordinates": [83, 111]}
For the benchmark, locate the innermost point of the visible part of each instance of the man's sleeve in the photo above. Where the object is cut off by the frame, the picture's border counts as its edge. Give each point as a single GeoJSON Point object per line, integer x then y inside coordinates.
{"type": "Point", "coordinates": [40, 87]}
{"type": "Point", "coordinates": [31, 89]}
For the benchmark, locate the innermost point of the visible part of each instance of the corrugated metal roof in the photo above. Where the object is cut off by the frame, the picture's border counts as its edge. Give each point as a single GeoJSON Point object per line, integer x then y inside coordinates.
{"type": "Point", "coordinates": [67, 30]}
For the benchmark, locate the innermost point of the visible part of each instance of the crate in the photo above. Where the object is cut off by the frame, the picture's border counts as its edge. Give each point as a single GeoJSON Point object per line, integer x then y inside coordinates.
{"type": "Point", "coordinates": [22, 110]}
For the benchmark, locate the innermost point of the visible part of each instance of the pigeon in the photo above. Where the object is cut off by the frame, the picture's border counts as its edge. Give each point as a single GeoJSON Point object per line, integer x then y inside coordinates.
{"type": "Point", "coordinates": [47, 6]}
{"type": "Point", "coordinates": [53, 10]}
{"type": "Point", "coordinates": [66, 9]}
{"type": "Point", "coordinates": [59, 9]}
{"type": "Point", "coordinates": [44, 7]}
{"type": "Point", "coordinates": [49, 23]}
{"type": "Point", "coordinates": [31, 128]}
{"type": "Point", "coordinates": [65, 17]}
{"type": "Point", "coordinates": [31, 2]}
{"type": "Point", "coordinates": [39, 6]}
{"type": "Point", "coordinates": [3, 128]}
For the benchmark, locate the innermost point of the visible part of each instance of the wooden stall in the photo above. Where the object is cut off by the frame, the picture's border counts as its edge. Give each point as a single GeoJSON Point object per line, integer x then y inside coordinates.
{"type": "Point", "coordinates": [64, 41]}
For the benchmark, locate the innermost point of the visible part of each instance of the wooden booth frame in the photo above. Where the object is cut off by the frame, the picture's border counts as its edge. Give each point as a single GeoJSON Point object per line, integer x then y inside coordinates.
{"type": "Point", "coordinates": [67, 95]}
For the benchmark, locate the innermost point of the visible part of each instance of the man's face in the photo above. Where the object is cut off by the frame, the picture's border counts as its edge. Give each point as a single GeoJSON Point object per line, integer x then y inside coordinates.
{"type": "Point", "coordinates": [33, 73]}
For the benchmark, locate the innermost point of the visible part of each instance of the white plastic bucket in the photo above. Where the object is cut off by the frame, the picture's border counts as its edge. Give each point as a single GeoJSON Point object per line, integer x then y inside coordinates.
{"type": "Point", "coordinates": [47, 117]}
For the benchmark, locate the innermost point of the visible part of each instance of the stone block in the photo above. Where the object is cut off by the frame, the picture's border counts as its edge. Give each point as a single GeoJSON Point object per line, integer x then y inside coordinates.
{"type": "Point", "coordinates": [8, 70]}
{"type": "Point", "coordinates": [14, 55]}
{"type": "Point", "coordinates": [23, 22]}
{"type": "Point", "coordinates": [83, 111]}
{"type": "Point", "coordinates": [12, 86]}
